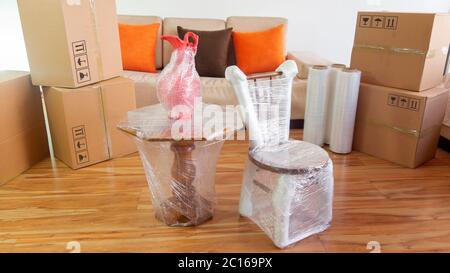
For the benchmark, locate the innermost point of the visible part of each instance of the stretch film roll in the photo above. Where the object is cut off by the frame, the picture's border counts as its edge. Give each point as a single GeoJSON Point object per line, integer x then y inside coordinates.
{"type": "Point", "coordinates": [316, 105]}
{"type": "Point", "coordinates": [334, 68]}
{"type": "Point", "coordinates": [344, 110]}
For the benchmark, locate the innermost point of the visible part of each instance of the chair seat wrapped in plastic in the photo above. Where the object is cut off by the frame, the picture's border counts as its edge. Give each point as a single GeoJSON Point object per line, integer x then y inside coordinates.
{"type": "Point", "coordinates": [288, 191]}
{"type": "Point", "coordinates": [288, 185]}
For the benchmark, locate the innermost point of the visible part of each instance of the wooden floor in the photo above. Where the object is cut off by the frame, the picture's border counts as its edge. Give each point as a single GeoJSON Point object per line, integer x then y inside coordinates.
{"type": "Point", "coordinates": [107, 208]}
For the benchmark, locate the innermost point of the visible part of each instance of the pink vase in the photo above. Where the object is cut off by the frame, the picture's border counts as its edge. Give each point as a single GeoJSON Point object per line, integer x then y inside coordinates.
{"type": "Point", "coordinates": [179, 84]}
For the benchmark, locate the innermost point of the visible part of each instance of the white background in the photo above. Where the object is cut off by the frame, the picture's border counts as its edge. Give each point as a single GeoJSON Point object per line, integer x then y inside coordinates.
{"type": "Point", "coordinates": [322, 26]}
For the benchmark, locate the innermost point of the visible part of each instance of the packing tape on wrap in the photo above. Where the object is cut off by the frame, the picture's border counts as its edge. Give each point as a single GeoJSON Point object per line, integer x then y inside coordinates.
{"type": "Point", "coordinates": [401, 50]}
{"type": "Point", "coordinates": [97, 52]}
{"type": "Point", "coordinates": [410, 132]}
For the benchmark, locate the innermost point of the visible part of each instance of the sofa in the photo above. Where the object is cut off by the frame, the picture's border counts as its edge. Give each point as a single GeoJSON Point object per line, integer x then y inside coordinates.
{"type": "Point", "coordinates": [215, 90]}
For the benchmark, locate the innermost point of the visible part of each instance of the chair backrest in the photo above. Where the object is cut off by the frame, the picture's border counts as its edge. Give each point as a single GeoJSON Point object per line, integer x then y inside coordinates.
{"type": "Point", "coordinates": [265, 102]}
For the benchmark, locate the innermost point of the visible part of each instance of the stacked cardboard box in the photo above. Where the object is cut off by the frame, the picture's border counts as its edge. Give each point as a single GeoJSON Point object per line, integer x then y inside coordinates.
{"type": "Point", "coordinates": [74, 51]}
{"type": "Point", "coordinates": [23, 138]}
{"type": "Point", "coordinates": [402, 100]}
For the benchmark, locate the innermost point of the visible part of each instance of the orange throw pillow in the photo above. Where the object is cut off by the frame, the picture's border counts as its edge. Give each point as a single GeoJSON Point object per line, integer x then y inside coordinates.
{"type": "Point", "coordinates": [138, 44]}
{"type": "Point", "coordinates": [261, 51]}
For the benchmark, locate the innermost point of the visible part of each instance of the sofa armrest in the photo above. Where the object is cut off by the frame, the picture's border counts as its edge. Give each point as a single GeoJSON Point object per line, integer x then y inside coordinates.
{"type": "Point", "coordinates": [305, 60]}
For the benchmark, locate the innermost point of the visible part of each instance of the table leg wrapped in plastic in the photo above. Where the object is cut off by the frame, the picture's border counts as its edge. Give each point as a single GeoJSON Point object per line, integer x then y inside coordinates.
{"type": "Point", "coordinates": [180, 176]}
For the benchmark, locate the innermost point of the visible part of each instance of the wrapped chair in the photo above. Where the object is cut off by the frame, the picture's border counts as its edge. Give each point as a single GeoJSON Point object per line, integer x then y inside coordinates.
{"type": "Point", "coordinates": [288, 184]}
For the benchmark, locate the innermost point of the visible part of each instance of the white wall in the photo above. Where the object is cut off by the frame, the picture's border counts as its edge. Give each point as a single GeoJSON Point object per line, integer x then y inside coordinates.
{"type": "Point", "coordinates": [323, 26]}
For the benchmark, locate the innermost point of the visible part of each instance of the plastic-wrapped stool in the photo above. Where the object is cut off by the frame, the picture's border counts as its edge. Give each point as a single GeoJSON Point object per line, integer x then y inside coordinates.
{"type": "Point", "coordinates": [180, 176]}
{"type": "Point", "coordinates": [180, 172]}
{"type": "Point", "coordinates": [288, 185]}
{"type": "Point", "coordinates": [288, 191]}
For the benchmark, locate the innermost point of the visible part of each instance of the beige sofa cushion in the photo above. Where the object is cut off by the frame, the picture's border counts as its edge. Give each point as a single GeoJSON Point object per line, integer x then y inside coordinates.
{"type": "Point", "coordinates": [170, 28]}
{"type": "Point", "coordinates": [217, 91]}
{"type": "Point", "coordinates": [214, 90]}
{"type": "Point", "coordinates": [144, 20]}
{"type": "Point", "coordinates": [298, 99]}
{"type": "Point", "coordinates": [251, 24]}
{"type": "Point", "coordinates": [305, 60]}
{"type": "Point", "coordinates": [145, 87]}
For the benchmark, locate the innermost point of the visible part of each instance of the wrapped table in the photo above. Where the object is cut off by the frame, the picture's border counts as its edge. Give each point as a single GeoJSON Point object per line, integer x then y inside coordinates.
{"type": "Point", "coordinates": [179, 159]}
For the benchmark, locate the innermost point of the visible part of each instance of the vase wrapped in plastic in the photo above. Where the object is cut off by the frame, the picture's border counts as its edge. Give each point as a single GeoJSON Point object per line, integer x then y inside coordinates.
{"type": "Point", "coordinates": [179, 84]}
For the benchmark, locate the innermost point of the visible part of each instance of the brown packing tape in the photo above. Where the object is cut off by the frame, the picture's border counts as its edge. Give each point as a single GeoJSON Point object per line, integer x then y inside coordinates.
{"type": "Point", "coordinates": [428, 54]}
{"type": "Point", "coordinates": [104, 118]}
{"type": "Point", "coordinates": [97, 52]}
{"type": "Point", "coordinates": [406, 131]}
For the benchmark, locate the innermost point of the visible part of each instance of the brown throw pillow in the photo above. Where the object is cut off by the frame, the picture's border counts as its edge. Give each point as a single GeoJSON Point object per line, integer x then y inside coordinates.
{"type": "Point", "coordinates": [213, 49]}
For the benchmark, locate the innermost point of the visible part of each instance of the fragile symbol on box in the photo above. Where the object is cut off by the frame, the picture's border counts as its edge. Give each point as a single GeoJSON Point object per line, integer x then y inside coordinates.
{"type": "Point", "coordinates": [79, 47]}
{"type": "Point", "coordinates": [78, 132]}
{"type": "Point", "coordinates": [403, 102]}
{"type": "Point", "coordinates": [83, 75]}
{"type": "Point", "coordinates": [80, 144]}
{"type": "Point", "coordinates": [365, 21]}
{"type": "Point", "coordinates": [414, 104]}
{"type": "Point", "coordinates": [391, 22]}
{"type": "Point", "coordinates": [82, 157]}
{"type": "Point", "coordinates": [393, 100]}
{"type": "Point", "coordinates": [377, 21]}
{"type": "Point", "coordinates": [81, 61]}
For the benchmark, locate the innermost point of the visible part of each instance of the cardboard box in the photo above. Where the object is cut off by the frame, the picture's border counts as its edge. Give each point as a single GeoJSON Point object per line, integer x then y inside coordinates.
{"type": "Point", "coordinates": [398, 125]}
{"type": "Point", "coordinates": [71, 43]}
{"type": "Point", "coordinates": [83, 121]}
{"type": "Point", "coordinates": [401, 50]}
{"type": "Point", "coordinates": [23, 138]}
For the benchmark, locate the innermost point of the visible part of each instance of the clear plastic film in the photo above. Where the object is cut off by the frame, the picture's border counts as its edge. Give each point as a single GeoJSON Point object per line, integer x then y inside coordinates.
{"type": "Point", "coordinates": [265, 101]}
{"type": "Point", "coordinates": [288, 191]}
{"type": "Point", "coordinates": [344, 110]}
{"type": "Point", "coordinates": [288, 185]}
{"type": "Point", "coordinates": [334, 69]}
{"type": "Point", "coordinates": [152, 123]}
{"type": "Point", "coordinates": [180, 169]}
{"type": "Point", "coordinates": [180, 176]}
{"type": "Point", "coordinates": [178, 84]}
{"type": "Point", "coordinates": [317, 102]}
{"type": "Point", "coordinates": [270, 101]}
{"type": "Point", "coordinates": [331, 102]}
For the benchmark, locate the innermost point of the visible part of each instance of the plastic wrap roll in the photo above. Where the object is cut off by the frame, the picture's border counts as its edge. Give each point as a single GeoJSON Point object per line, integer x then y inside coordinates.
{"type": "Point", "coordinates": [334, 68]}
{"type": "Point", "coordinates": [344, 110]}
{"type": "Point", "coordinates": [316, 105]}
